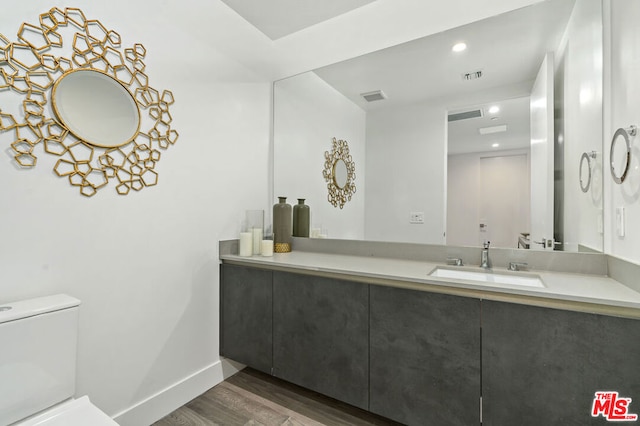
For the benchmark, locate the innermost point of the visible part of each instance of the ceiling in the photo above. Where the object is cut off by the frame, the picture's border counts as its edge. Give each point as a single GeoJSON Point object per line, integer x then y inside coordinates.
{"type": "Point", "coordinates": [279, 18]}
{"type": "Point", "coordinates": [464, 135]}
{"type": "Point", "coordinates": [507, 48]}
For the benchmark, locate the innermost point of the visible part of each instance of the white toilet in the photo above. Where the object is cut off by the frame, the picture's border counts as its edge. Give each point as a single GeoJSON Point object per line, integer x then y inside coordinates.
{"type": "Point", "coordinates": [38, 339]}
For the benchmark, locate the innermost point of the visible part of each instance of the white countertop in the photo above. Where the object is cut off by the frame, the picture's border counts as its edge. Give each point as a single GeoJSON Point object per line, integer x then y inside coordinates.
{"type": "Point", "coordinates": [588, 293]}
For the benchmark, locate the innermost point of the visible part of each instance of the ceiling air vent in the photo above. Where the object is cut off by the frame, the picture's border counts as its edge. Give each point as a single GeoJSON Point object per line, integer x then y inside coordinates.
{"type": "Point", "coordinates": [464, 115]}
{"type": "Point", "coordinates": [376, 95]}
{"type": "Point", "coordinates": [473, 75]}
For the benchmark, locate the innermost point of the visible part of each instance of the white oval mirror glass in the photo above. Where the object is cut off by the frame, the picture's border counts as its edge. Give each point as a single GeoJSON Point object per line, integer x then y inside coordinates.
{"type": "Point", "coordinates": [340, 173]}
{"type": "Point", "coordinates": [96, 108]}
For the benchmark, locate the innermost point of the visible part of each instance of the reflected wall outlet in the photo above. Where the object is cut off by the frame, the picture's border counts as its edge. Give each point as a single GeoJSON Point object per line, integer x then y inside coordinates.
{"type": "Point", "coordinates": [416, 217]}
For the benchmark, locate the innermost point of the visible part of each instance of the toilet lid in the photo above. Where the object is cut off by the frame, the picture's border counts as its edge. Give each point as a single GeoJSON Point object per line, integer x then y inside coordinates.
{"type": "Point", "coordinates": [76, 412]}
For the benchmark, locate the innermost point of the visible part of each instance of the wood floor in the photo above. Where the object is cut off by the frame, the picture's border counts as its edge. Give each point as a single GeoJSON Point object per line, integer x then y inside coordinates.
{"type": "Point", "coordinates": [251, 398]}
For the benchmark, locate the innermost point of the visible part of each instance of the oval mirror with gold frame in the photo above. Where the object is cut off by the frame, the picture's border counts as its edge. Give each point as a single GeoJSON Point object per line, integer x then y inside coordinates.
{"type": "Point", "coordinates": [339, 173]}
{"type": "Point", "coordinates": [87, 100]}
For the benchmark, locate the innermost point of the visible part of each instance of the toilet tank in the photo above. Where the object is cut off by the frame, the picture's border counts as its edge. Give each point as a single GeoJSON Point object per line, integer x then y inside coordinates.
{"type": "Point", "coordinates": [38, 339]}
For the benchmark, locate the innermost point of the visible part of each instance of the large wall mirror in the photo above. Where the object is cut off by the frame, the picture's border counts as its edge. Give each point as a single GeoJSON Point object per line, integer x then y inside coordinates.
{"type": "Point", "coordinates": [483, 140]}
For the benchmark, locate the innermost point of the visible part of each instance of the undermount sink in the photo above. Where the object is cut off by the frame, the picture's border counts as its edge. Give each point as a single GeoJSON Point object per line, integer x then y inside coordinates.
{"type": "Point", "coordinates": [488, 277]}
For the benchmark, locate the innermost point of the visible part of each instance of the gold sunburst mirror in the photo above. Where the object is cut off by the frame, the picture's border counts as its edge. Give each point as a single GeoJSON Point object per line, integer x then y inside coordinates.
{"type": "Point", "coordinates": [339, 173]}
{"type": "Point", "coordinates": [67, 84]}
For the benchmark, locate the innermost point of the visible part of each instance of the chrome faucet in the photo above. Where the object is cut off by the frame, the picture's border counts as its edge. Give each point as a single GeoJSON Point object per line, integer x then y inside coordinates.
{"type": "Point", "coordinates": [485, 262]}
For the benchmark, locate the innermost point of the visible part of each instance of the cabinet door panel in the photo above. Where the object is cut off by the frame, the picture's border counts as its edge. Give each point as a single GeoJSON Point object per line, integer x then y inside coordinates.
{"type": "Point", "coordinates": [543, 366]}
{"type": "Point", "coordinates": [246, 316]}
{"type": "Point", "coordinates": [321, 335]}
{"type": "Point", "coordinates": [425, 357]}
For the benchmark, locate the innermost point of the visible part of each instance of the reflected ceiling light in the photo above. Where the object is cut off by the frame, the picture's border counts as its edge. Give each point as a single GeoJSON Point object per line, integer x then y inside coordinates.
{"type": "Point", "coordinates": [586, 95]}
{"type": "Point", "coordinates": [492, 129]}
{"type": "Point", "coordinates": [494, 109]}
{"type": "Point", "coordinates": [539, 103]}
{"type": "Point", "coordinates": [459, 47]}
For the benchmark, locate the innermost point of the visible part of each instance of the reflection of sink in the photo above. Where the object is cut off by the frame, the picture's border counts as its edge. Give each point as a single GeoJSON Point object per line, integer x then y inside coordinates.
{"type": "Point", "coordinates": [488, 277]}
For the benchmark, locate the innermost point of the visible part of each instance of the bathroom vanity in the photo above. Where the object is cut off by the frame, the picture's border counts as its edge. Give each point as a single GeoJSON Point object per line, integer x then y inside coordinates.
{"type": "Point", "coordinates": [371, 327]}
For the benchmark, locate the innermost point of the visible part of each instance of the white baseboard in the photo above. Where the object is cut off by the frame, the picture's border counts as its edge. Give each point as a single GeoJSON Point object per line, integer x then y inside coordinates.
{"type": "Point", "coordinates": [162, 403]}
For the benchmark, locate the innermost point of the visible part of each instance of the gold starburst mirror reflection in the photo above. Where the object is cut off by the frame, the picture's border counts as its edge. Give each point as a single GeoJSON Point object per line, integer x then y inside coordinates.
{"type": "Point", "coordinates": [75, 91]}
{"type": "Point", "coordinates": [339, 173]}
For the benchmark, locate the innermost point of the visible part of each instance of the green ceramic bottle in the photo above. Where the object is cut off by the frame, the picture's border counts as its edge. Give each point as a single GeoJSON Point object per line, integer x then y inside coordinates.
{"type": "Point", "coordinates": [282, 226]}
{"type": "Point", "coordinates": [301, 213]}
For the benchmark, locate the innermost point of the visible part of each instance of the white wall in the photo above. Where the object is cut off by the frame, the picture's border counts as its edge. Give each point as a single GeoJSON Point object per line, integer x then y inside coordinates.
{"type": "Point", "coordinates": [309, 113]}
{"type": "Point", "coordinates": [580, 63]}
{"type": "Point", "coordinates": [406, 164]}
{"type": "Point", "coordinates": [624, 104]}
{"type": "Point", "coordinates": [145, 266]}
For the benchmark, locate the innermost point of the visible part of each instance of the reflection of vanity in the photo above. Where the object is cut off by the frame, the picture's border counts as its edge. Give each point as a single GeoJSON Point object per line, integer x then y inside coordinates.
{"type": "Point", "coordinates": [365, 323]}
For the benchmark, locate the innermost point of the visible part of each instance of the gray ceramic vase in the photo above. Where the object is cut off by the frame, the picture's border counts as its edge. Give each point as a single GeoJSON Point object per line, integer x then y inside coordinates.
{"type": "Point", "coordinates": [282, 226]}
{"type": "Point", "coordinates": [301, 213]}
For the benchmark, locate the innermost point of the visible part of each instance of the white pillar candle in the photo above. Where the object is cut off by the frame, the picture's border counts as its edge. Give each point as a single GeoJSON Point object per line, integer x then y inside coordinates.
{"type": "Point", "coordinates": [257, 239]}
{"type": "Point", "coordinates": [267, 247]}
{"type": "Point", "coordinates": [246, 243]}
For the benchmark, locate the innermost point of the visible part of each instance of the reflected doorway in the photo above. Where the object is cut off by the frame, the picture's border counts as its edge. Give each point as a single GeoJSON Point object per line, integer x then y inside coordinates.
{"type": "Point", "coordinates": [489, 199]}
{"type": "Point", "coordinates": [489, 174]}
{"type": "Point", "coordinates": [505, 201]}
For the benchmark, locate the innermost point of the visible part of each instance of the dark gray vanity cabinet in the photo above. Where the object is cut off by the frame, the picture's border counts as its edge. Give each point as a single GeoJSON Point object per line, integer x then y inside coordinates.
{"type": "Point", "coordinates": [425, 357]}
{"type": "Point", "coordinates": [321, 335]}
{"type": "Point", "coordinates": [246, 316]}
{"type": "Point", "coordinates": [543, 366]}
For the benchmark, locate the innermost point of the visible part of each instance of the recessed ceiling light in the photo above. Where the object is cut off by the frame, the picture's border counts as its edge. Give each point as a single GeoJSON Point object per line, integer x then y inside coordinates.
{"type": "Point", "coordinates": [494, 109]}
{"type": "Point", "coordinates": [459, 47]}
{"type": "Point", "coordinates": [493, 129]}
{"type": "Point", "coordinates": [495, 145]}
